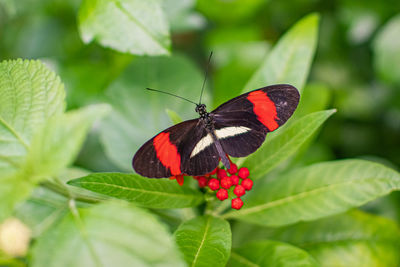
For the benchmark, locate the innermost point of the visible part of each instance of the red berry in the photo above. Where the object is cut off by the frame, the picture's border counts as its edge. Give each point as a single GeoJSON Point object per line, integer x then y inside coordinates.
{"type": "Point", "coordinates": [222, 194]}
{"type": "Point", "coordinates": [213, 184]}
{"type": "Point", "coordinates": [237, 203]}
{"type": "Point", "coordinates": [243, 173]}
{"type": "Point", "coordinates": [234, 179]}
{"type": "Point", "coordinates": [247, 184]}
{"type": "Point", "coordinates": [226, 182]}
{"type": "Point", "coordinates": [221, 173]}
{"type": "Point", "coordinates": [233, 169]}
{"type": "Point", "coordinates": [239, 190]}
{"type": "Point", "coordinates": [202, 181]}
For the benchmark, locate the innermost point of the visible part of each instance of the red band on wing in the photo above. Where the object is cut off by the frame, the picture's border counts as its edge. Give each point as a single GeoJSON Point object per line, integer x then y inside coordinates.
{"type": "Point", "coordinates": [167, 153]}
{"type": "Point", "coordinates": [264, 108]}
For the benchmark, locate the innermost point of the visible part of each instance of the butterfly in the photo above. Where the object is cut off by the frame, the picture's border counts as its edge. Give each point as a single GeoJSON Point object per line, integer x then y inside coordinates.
{"type": "Point", "coordinates": [236, 128]}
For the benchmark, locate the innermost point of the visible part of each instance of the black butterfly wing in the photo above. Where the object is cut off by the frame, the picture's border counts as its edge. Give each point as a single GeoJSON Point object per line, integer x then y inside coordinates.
{"type": "Point", "coordinates": [170, 152]}
{"type": "Point", "coordinates": [242, 123]}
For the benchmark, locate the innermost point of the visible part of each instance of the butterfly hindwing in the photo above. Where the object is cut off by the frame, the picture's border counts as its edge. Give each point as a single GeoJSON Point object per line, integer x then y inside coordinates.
{"type": "Point", "coordinates": [169, 153]}
{"type": "Point", "coordinates": [242, 123]}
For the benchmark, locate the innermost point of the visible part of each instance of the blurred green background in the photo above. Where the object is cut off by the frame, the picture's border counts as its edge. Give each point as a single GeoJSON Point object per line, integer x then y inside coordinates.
{"type": "Point", "coordinates": [356, 68]}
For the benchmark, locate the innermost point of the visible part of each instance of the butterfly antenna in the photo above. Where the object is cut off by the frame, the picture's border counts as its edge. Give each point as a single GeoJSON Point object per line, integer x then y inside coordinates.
{"type": "Point", "coordinates": [155, 90]}
{"type": "Point", "coordinates": [205, 76]}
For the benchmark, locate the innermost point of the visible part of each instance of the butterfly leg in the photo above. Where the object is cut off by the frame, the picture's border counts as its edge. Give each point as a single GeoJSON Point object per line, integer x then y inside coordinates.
{"type": "Point", "coordinates": [221, 151]}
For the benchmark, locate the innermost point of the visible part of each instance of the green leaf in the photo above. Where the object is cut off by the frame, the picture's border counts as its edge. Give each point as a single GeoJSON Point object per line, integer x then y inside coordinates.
{"type": "Point", "coordinates": [182, 17]}
{"type": "Point", "coordinates": [354, 239]}
{"type": "Point", "coordinates": [290, 60]}
{"type": "Point", "coordinates": [205, 241]}
{"type": "Point", "coordinates": [387, 51]}
{"type": "Point", "coordinates": [56, 145]}
{"type": "Point", "coordinates": [271, 254]}
{"type": "Point", "coordinates": [316, 191]}
{"type": "Point", "coordinates": [110, 234]}
{"type": "Point", "coordinates": [134, 26]}
{"type": "Point", "coordinates": [151, 193]}
{"type": "Point", "coordinates": [139, 114]}
{"type": "Point", "coordinates": [43, 209]}
{"type": "Point", "coordinates": [315, 97]}
{"type": "Point", "coordinates": [30, 95]}
{"type": "Point", "coordinates": [174, 117]}
{"type": "Point", "coordinates": [37, 139]}
{"type": "Point", "coordinates": [284, 143]}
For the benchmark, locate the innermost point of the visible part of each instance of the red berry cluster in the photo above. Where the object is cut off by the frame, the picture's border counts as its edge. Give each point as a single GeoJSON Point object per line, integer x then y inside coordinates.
{"type": "Point", "coordinates": [234, 180]}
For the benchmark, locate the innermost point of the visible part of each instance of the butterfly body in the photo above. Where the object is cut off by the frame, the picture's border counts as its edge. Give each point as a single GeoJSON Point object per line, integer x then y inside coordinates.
{"type": "Point", "coordinates": [236, 128]}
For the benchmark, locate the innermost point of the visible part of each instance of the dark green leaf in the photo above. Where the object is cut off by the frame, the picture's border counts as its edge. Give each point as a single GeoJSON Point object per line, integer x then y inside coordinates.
{"type": "Point", "coordinates": [271, 254]}
{"type": "Point", "coordinates": [151, 193]}
{"type": "Point", "coordinates": [205, 241]}
{"type": "Point", "coordinates": [316, 191]}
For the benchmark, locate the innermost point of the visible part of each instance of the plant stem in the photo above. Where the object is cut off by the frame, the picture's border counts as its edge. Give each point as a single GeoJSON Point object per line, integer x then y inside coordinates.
{"type": "Point", "coordinates": [62, 189]}
{"type": "Point", "coordinates": [221, 208]}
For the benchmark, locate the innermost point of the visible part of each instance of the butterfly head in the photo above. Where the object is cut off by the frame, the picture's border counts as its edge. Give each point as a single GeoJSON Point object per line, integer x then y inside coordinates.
{"type": "Point", "coordinates": [201, 109]}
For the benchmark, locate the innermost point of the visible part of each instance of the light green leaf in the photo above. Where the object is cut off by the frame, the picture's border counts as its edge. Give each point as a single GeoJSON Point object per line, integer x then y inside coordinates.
{"type": "Point", "coordinates": [139, 114]}
{"type": "Point", "coordinates": [134, 26]}
{"type": "Point", "coordinates": [43, 209]}
{"type": "Point", "coordinates": [9, 261]}
{"type": "Point", "coordinates": [182, 16]}
{"type": "Point", "coordinates": [290, 60]}
{"type": "Point", "coordinates": [205, 241]}
{"type": "Point", "coordinates": [110, 234]}
{"type": "Point", "coordinates": [37, 139]}
{"type": "Point", "coordinates": [285, 143]}
{"type": "Point", "coordinates": [315, 97]}
{"type": "Point", "coordinates": [174, 117]}
{"type": "Point", "coordinates": [354, 239]}
{"type": "Point", "coordinates": [56, 145]}
{"type": "Point", "coordinates": [151, 193]}
{"type": "Point", "coordinates": [30, 95]}
{"type": "Point", "coordinates": [316, 191]}
{"type": "Point", "coordinates": [387, 51]}
{"type": "Point", "coordinates": [271, 254]}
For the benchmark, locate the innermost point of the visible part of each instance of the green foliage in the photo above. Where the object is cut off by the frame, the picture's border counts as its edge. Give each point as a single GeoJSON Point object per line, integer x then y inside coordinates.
{"type": "Point", "coordinates": [38, 139]}
{"type": "Point", "coordinates": [387, 51]}
{"type": "Point", "coordinates": [48, 154]}
{"type": "Point", "coordinates": [270, 253]}
{"type": "Point", "coordinates": [31, 95]}
{"type": "Point", "coordinates": [317, 191]}
{"type": "Point", "coordinates": [81, 240]}
{"type": "Point", "coordinates": [351, 239]}
{"type": "Point", "coordinates": [151, 193]}
{"type": "Point", "coordinates": [290, 60]}
{"type": "Point", "coordinates": [79, 216]}
{"type": "Point", "coordinates": [205, 241]}
{"type": "Point", "coordinates": [134, 26]}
